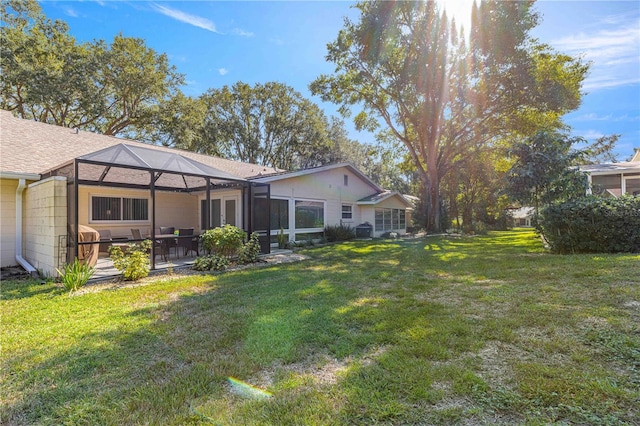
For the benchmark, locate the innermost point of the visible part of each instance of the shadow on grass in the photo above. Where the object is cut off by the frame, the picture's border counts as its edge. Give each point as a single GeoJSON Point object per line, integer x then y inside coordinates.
{"type": "Point", "coordinates": [354, 303]}
{"type": "Point", "coordinates": [22, 289]}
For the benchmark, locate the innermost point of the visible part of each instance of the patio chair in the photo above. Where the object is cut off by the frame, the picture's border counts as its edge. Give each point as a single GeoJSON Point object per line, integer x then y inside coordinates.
{"type": "Point", "coordinates": [188, 244]}
{"type": "Point", "coordinates": [158, 245]}
{"type": "Point", "coordinates": [105, 240]}
{"type": "Point", "coordinates": [168, 242]}
{"type": "Point", "coordinates": [137, 235]}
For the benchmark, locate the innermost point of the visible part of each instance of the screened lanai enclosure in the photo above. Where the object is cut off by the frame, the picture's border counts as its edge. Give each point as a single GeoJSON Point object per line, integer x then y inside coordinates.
{"type": "Point", "coordinates": [128, 193]}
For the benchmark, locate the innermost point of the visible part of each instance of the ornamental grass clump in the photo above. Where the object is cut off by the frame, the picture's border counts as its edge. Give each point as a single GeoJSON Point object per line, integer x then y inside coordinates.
{"type": "Point", "coordinates": [134, 262]}
{"type": "Point", "coordinates": [75, 275]}
{"type": "Point", "coordinates": [339, 233]}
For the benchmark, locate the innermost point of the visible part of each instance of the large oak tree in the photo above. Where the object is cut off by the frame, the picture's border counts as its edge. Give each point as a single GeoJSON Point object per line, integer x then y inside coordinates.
{"type": "Point", "coordinates": [114, 89]}
{"type": "Point", "coordinates": [405, 65]}
{"type": "Point", "coordinates": [269, 124]}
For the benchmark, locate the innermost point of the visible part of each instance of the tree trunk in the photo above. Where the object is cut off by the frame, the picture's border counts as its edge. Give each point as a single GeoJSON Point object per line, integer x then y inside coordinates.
{"type": "Point", "coordinates": [433, 196]}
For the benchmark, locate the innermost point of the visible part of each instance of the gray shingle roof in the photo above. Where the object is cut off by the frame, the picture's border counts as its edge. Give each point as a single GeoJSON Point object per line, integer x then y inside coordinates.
{"type": "Point", "coordinates": [33, 147]}
{"type": "Point", "coordinates": [377, 198]}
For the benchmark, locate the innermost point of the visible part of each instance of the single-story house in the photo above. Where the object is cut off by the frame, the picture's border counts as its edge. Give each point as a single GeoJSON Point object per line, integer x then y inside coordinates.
{"type": "Point", "coordinates": [55, 181]}
{"type": "Point", "coordinates": [522, 216]}
{"type": "Point", "coordinates": [615, 179]}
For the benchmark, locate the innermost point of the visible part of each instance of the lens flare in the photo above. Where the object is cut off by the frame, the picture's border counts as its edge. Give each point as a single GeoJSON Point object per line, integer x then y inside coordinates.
{"type": "Point", "coordinates": [246, 390]}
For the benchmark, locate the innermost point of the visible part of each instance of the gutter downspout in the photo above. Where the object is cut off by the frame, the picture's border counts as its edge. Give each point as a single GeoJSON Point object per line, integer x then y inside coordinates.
{"type": "Point", "coordinates": [22, 183]}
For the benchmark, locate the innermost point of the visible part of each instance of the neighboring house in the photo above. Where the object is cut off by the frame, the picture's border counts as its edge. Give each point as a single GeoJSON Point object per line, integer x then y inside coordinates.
{"type": "Point", "coordinates": [54, 180]}
{"type": "Point", "coordinates": [522, 216]}
{"type": "Point", "coordinates": [615, 179]}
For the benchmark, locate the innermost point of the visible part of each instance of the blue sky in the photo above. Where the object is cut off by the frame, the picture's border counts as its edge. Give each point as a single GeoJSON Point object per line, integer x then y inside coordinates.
{"type": "Point", "coordinates": [218, 43]}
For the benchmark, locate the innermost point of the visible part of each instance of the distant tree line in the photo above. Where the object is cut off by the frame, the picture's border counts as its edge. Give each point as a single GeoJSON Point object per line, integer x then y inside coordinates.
{"type": "Point", "coordinates": [460, 119]}
{"type": "Point", "coordinates": [125, 89]}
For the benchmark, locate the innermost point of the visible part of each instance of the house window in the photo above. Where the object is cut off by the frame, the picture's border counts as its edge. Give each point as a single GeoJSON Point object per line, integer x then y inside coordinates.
{"type": "Point", "coordinates": [347, 212]}
{"type": "Point", "coordinates": [390, 219]}
{"type": "Point", "coordinates": [632, 186]}
{"type": "Point", "coordinates": [309, 214]}
{"type": "Point", "coordinates": [279, 211]}
{"type": "Point", "coordinates": [380, 219]}
{"type": "Point", "coordinates": [119, 209]}
{"type": "Point", "coordinates": [387, 219]}
{"type": "Point", "coordinates": [346, 180]}
{"type": "Point", "coordinates": [610, 182]}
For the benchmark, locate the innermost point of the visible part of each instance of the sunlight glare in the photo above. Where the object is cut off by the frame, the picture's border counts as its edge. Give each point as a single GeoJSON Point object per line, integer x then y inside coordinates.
{"type": "Point", "coordinates": [460, 10]}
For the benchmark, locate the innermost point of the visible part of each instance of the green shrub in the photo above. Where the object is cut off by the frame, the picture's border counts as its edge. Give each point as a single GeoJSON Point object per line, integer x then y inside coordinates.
{"type": "Point", "coordinates": [210, 262]}
{"type": "Point", "coordinates": [134, 262]}
{"type": "Point", "coordinates": [75, 275]}
{"type": "Point", "coordinates": [339, 233]}
{"type": "Point", "coordinates": [592, 225]}
{"type": "Point", "coordinates": [224, 241]}
{"type": "Point", "coordinates": [250, 251]}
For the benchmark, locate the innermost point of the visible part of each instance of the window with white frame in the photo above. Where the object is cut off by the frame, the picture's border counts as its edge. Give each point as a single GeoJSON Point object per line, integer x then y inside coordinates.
{"type": "Point", "coordinates": [390, 219]}
{"type": "Point", "coordinates": [119, 209]}
{"type": "Point", "coordinates": [309, 214]}
{"type": "Point", "coordinates": [347, 212]}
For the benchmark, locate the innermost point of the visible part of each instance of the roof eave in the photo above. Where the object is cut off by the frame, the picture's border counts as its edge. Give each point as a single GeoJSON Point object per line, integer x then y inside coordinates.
{"type": "Point", "coordinates": [406, 202]}
{"type": "Point", "coordinates": [18, 175]}
{"type": "Point", "coordinates": [289, 175]}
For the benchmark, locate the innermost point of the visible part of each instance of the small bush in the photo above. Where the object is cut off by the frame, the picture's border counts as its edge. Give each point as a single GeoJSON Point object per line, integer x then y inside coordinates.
{"type": "Point", "coordinates": [224, 241]}
{"type": "Point", "coordinates": [282, 239]}
{"type": "Point", "coordinates": [250, 251]}
{"type": "Point", "coordinates": [210, 262]}
{"type": "Point", "coordinates": [75, 275]}
{"type": "Point", "coordinates": [592, 225]}
{"type": "Point", "coordinates": [134, 262]}
{"type": "Point", "coordinates": [339, 233]}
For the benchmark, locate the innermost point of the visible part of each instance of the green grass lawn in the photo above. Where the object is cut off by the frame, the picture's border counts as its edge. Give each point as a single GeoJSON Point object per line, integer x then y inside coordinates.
{"type": "Point", "coordinates": [484, 330]}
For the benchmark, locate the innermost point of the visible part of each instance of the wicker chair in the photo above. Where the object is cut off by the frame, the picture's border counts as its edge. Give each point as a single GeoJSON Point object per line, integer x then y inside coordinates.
{"type": "Point", "coordinates": [188, 244]}
{"type": "Point", "coordinates": [169, 242]}
{"type": "Point", "coordinates": [158, 246]}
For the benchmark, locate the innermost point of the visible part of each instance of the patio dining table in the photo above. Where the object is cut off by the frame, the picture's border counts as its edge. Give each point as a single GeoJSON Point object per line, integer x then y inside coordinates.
{"type": "Point", "coordinates": [166, 239]}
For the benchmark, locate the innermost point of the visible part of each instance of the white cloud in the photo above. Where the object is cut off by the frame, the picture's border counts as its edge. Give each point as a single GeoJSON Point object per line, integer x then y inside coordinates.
{"type": "Point", "coordinates": [614, 53]}
{"type": "Point", "coordinates": [69, 11]}
{"type": "Point", "coordinates": [592, 116]}
{"type": "Point", "coordinates": [277, 40]}
{"type": "Point", "coordinates": [196, 21]}
{"type": "Point", "coordinates": [589, 134]}
{"type": "Point", "coordinates": [606, 81]}
{"type": "Point", "coordinates": [223, 71]}
{"type": "Point", "coordinates": [242, 33]}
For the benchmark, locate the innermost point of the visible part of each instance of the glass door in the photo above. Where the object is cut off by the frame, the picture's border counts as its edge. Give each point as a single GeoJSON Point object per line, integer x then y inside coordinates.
{"type": "Point", "coordinates": [230, 212]}
{"type": "Point", "coordinates": [224, 210]}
